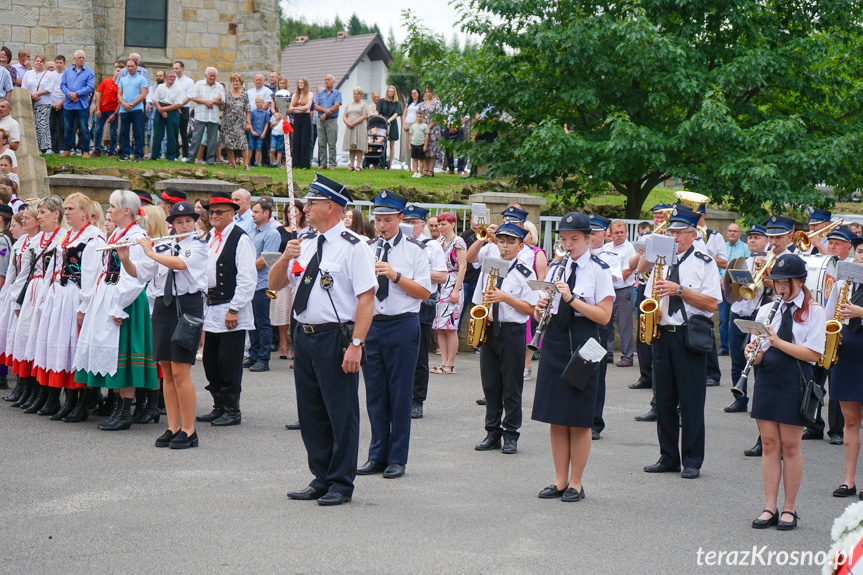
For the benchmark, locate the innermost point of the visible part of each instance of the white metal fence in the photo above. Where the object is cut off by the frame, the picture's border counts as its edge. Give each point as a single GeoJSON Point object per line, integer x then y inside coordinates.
{"type": "Point", "coordinates": [550, 222]}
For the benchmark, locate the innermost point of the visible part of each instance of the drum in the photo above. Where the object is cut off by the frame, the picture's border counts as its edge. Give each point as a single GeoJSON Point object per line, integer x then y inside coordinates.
{"type": "Point", "coordinates": [821, 275]}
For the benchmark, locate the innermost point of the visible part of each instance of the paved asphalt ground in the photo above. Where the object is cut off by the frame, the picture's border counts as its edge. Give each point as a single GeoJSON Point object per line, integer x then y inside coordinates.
{"type": "Point", "coordinates": [78, 500]}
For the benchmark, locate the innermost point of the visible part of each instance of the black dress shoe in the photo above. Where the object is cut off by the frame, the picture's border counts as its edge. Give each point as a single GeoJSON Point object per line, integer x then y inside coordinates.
{"type": "Point", "coordinates": [371, 467]}
{"type": "Point", "coordinates": [722, 353]}
{"type": "Point", "coordinates": [571, 494]}
{"type": "Point", "coordinates": [165, 439]}
{"type": "Point", "coordinates": [787, 525]}
{"type": "Point", "coordinates": [836, 439]}
{"type": "Point", "coordinates": [754, 451]}
{"type": "Point", "coordinates": [844, 491]}
{"type": "Point", "coordinates": [809, 434]}
{"type": "Point", "coordinates": [183, 441]}
{"type": "Point", "coordinates": [552, 492]}
{"type": "Point", "coordinates": [609, 359]}
{"type": "Point", "coordinates": [249, 362]}
{"type": "Point", "coordinates": [649, 416]}
{"type": "Point", "coordinates": [510, 446]}
{"type": "Point", "coordinates": [417, 411]}
{"type": "Point", "coordinates": [712, 383]}
{"type": "Point", "coordinates": [394, 470]}
{"type": "Point", "coordinates": [259, 366]}
{"type": "Point", "coordinates": [332, 498]}
{"type": "Point", "coordinates": [642, 383]}
{"type": "Point", "coordinates": [690, 473]}
{"type": "Point", "coordinates": [737, 407]}
{"type": "Point", "coordinates": [481, 401]}
{"type": "Point", "coordinates": [307, 494]}
{"type": "Point", "coordinates": [661, 468]}
{"type": "Point", "coordinates": [765, 523]}
{"type": "Point", "coordinates": [594, 435]}
{"type": "Point", "coordinates": [488, 444]}
{"type": "Point", "coordinates": [293, 426]}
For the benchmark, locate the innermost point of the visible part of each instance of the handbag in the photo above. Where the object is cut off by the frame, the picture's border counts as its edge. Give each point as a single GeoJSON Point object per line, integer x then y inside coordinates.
{"type": "Point", "coordinates": [699, 333]}
{"type": "Point", "coordinates": [812, 396]}
{"type": "Point", "coordinates": [187, 334]}
{"type": "Point", "coordinates": [578, 371]}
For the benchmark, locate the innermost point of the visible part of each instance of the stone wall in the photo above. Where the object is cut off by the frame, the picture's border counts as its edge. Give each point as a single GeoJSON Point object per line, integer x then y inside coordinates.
{"type": "Point", "coordinates": [48, 27]}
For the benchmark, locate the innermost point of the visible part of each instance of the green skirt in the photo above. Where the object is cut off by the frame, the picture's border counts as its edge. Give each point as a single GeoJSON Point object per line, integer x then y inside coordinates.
{"type": "Point", "coordinates": [135, 364]}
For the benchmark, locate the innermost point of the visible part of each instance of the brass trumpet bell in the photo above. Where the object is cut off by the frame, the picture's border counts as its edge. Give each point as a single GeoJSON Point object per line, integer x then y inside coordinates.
{"type": "Point", "coordinates": [803, 240]}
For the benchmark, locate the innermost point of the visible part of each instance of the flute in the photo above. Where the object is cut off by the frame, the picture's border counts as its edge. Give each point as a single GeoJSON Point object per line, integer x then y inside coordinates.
{"type": "Point", "coordinates": [155, 242]}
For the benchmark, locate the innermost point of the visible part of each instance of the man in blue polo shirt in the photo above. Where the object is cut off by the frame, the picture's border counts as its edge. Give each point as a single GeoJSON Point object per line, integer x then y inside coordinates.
{"type": "Point", "coordinates": [131, 92]}
{"type": "Point", "coordinates": [327, 104]}
{"type": "Point", "coordinates": [266, 239]}
{"type": "Point", "coordinates": [77, 83]}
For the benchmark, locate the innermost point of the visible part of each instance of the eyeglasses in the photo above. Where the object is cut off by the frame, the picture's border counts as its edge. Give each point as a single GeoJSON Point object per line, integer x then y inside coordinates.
{"type": "Point", "coordinates": [218, 212]}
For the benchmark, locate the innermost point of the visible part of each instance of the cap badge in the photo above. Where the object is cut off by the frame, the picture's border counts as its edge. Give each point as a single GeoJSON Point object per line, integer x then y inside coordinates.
{"type": "Point", "coordinates": [782, 264]}
{"type": "Point", "coordinates": [774, 218]}
{"type": "Point", "coordinates": [674, 212]}
{"type": "Point", "coordinates": [384, 194]}
{"type": "Point", "coordinates": [569, 219]}
{"type": "Point", "coordinates": [181, 208]}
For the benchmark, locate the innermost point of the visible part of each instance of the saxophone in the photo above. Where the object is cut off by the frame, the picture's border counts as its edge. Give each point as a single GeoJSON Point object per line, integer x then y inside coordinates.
{"type": "Point", "coordinates": [834, 331]}
{"type": "Point", "coordinates": [479, 313]}
{"type": "Point", "coordinates": [648, 325]}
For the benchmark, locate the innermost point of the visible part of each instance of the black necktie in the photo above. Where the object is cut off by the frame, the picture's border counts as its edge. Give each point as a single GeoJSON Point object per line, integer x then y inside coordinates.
{"type": "Point", "coordinates": [168, 296]}
{"type": "Point", "coordinates": [495, 310]}
{"type": "Point", "coordinates": [383, 281]}
{"type": "Point", "coordinates": [305, 288]}
{"type": "Point", "coordinates": [857, 299]}
{"type": "Point", "coordinates": [675, 304]}
{"type": "Point", "coordinates": [564, 310]}
{"type": "Point", "coordinates": [787, 321]}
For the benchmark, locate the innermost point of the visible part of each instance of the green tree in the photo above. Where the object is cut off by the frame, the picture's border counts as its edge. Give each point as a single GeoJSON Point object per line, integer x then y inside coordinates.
{"type": "Point", "coordinates": [748, 101]}
{"type": "Point", "coordinates": [355, 26]}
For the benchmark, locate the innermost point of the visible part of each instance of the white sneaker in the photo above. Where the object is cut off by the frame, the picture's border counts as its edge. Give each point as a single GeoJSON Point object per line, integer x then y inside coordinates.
{"type": "Point", "coordinates": [49, 152]}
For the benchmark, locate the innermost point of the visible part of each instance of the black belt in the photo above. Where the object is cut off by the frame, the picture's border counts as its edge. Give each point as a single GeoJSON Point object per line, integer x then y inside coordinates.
{"type": "Point", "coordinates": [673, 328]}
{"type": "Point", "coordinates": [319, 327]}
{"type": "Point", "coordinates": [382, 317]}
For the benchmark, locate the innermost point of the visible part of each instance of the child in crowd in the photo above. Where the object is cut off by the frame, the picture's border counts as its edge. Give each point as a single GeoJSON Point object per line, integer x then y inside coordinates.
{"type": "Point", "coordinates": [277, 141]}
{"type": "Point", "coordinates": [376, 136]}
{"type": "Point", "coordinates": [6, 169]}
{"type": "Point", "coordinates": [419, 133]}
{"type": "Point", "coordinates": [260, 118]}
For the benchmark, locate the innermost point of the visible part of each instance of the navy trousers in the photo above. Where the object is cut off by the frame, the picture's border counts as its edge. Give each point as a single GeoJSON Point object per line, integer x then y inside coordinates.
{"type": "Point", "coordinates": [329, 409]}
{"type": "Point", "coordinates": [261, 338]}
{"type": "Point", "coordinates": [392, 348]}
{"type": "Point", "coordinates": [601, 371]}
{"type": "Point", "coordinates": [737, 341]}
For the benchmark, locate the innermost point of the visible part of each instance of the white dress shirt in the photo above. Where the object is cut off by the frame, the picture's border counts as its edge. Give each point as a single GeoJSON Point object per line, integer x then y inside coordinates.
{"type": "Point", "coordinates": [436, 257]}
{"type": "Point", "coordinates": [830, 308]}
{"type": "Point", "coordinates": [696, 274]}
{"type": "Point", "coordinates": [490, 249]}
{"type": "Point", "coordinates": [409, 259]}
{"type": "Point", "coordinates": [808, 333]}
{"type": "Point", "coordinates": [351, 265]}
{"type": "Point", "coordinates": [515, 285]}
{"type": "Point", "coordinates": [195, 254]}
{"type": "Point", "coordinates": [593, 282]}
{"type": "Point", "coordinates": [187, 86]}
{"type": "Point", "coordinates": [247, 279]}
{"type": "Point", "coordinates": [624, 252]}
{"type": "Point", "coordinates": [747, 307]}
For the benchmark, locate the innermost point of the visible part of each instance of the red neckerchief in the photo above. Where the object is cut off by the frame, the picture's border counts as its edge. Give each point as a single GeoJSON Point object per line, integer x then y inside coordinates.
{"type": "Point", "coordinates": [113, 239]}
{"type": "Point", "coordinates": [217, 236]}
{"type": "Point", "coordinates": [51, 239]}
{"type": "Point", "coordinates": [69, 241]}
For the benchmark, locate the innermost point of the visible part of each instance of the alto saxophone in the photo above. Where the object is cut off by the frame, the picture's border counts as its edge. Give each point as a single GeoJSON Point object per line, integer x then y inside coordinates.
{"type": "Point", "coordinates": [479, 313]}
{"type": "Point", "coordinates": [834, 331]}
{"type": "Point", "coordinates": [648, 325]}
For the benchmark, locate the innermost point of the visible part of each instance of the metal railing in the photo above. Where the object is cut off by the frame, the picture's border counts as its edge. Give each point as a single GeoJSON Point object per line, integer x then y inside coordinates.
{"type": "Point", "coordinates": [548, 223]}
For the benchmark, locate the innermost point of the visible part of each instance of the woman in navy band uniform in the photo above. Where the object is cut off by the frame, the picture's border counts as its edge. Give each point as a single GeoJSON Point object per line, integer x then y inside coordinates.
{"type": "Point", "coordinates": [186, 259]}
{"type": "Point", "coordinates": [796, 339]}
{"type": "Point", "coordinates": [577, 314]}
{"type": "Point", "coordinates": [845, 382]}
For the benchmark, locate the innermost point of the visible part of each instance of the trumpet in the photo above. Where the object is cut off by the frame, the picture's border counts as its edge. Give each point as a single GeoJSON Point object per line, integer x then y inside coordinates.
{"type": "Point", "coordinates": [546, 312]}
{"type": "Point", "coordinates": [559, 251]}
{"type": "Point", "coordinates": [154, 241]}
{"type": "Point", "coordinates": [803, 241]}
{"type": "Point", "coordinates": [749, 291]}
{"type": "Point", "coordinates": [834, 331]}
{"type": "Point", "coordinates": [648, 325]}
{"type": "Point", "coordinates": [739, 388]}
{"type": "Point", "coordinates": [667, 213]}
{"type": "Point", "coordinates": [483, 235]}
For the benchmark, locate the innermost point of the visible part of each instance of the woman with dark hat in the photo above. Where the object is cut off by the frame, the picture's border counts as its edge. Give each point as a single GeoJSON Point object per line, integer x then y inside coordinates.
{"type": "Point", "coordinates": [795, 343]}
{"type": "Point", "coordinates": [178, 270]}
{"type": "Point", "coordinates": [584, 302]}
{"type": "Point", "coordinates": [845, 382]}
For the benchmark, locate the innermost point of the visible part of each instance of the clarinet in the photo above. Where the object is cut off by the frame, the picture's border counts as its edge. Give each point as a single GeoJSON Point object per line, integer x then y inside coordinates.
{"type": "Point", "coordinates": [546, 313]}
{"type": "Point", "coordinates": [738, 388]}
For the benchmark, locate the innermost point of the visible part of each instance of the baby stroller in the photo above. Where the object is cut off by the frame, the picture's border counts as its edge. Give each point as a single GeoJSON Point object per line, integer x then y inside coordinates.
{"type": "Point", "coordinates": [378, 137]}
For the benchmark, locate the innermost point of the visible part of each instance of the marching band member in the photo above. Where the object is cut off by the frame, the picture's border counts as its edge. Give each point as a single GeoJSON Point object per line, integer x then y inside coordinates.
{"type": "Point", "coordinates": [513, 214]}
{"type": "Point", "coordinates": [713, 246]}
{"type": "Point", "coordinates": [8, 318]}
{"type": "Point", "coordinates": [598, 228]}
{"type": "Point", "coordinates": [756, 239]}
{"type": "Point", "coordinates": [178, 270]}
{"type": "Point", "coordinates": [333, 307]}
{"type": "Point", "coordinates": [76, 267]}
{"type": "Point", "coordinates": [231, 281]}
{"type": "Point", "coordinates": [393, 343]}
{"type": "Point", "coordinates": [845, 384]}
{"type": "Point", "coordinates": [796, 341]}
{"type": "Point", "coordinates": [501, 356]}
{"type": "Point", "coordinates": [780, 230]}
{"type": "Point", "coordinates": [115, 345]}
{"type": "Point", "coordinates": [818, 220]}
{"type": "Point", "coordinates": [416, 216]}
{"type": "Point", "coordinates": [43, 257]}
{"type": "Point", "coordinates": [690, 288]}
{"type": "Point", "coordinates": [584, 303]}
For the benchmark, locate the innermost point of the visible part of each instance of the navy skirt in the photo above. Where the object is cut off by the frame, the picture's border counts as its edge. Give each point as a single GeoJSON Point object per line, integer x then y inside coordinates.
{"type": "Point", "coordinates": [555, 401]}
{"type": "Point", "coordinates": [777, 393]}
{"type": "Point", "coordinates": [165, 322]}
{"type": "Point", "coordinates": [846, 377]}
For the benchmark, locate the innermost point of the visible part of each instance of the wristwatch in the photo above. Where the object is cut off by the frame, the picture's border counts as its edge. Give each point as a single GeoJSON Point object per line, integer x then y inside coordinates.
{"type": "Point", "coordinates": [233, 310]}
{"type": "Point", "coordinates": [679, 291]}
{"type": "Point", "coordinates": [357, 342]}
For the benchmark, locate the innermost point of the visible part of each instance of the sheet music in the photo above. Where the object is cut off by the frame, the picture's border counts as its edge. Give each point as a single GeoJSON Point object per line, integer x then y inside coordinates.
{"type": "Point", "coordinates": [407, 230]}
{"type": "Point", "coordinates": [850, 271]}
{"type": "Point", "coordinates": [479, 214]}
{"type": "Point", "coordinates": [502, 266]}
{"type": "Point", "coordinates": [537, 285]}
{"type": "Point", "coordinates": [751, 327]}
{"type": "Point", "coordinates": [592, 351]}
{"type": "Point", "coordinates": [270, 257]}
{"type": "Point", "coordinates": [660, 246]}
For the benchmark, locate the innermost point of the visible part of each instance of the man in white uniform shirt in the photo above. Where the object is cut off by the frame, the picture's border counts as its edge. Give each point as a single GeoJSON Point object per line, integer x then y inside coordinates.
{"type": "Point", "coordinates": [623, 310]}
{"type": "Point", "coordinates": [187, 85]}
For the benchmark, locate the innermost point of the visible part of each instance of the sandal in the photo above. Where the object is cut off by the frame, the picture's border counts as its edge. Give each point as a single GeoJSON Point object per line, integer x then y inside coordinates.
{"type": "Point", "coordinates": [438, 370]}
{"type": "Point", "coordinates": [526, 373]}
{"type": "Point", "coordinates": [448, 369]}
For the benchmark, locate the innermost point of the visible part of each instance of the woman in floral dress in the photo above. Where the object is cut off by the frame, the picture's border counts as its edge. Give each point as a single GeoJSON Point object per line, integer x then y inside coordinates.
{"type": "Point", "coordinates": [430, 106]}
{"type": "Point", "coordinates": [451, 300]}
{"type": "Point", "coordinates": [235, 122]}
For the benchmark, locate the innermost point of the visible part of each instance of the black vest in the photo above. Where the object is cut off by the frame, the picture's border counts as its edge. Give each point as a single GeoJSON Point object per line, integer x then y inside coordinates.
{"type": "Point", "coordinates": [72, 265]}
{"type": "Point", "coordinates": [226, 270]}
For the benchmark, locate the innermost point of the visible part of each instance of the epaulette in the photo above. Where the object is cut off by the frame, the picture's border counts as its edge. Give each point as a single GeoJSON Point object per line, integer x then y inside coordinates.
{"type": "Point", "coordinates": [525, 271]}
{"type": "Point", "coordinates": [598, 260]}
{"type": "Point", "coordinates": [372, 241]}
{"type": "Point", "coordinates": [420, 244]}
{"type": "Point", "coordinates": [199, 238]}
{"type": "Point", "coordinates": [352, 238]}
{"type": "Point", "coordinates": [308, 235]}
{"type": "Point", "coordinates": [162, 248]}
{"type": "Point", "coordinates": [706, 258]}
